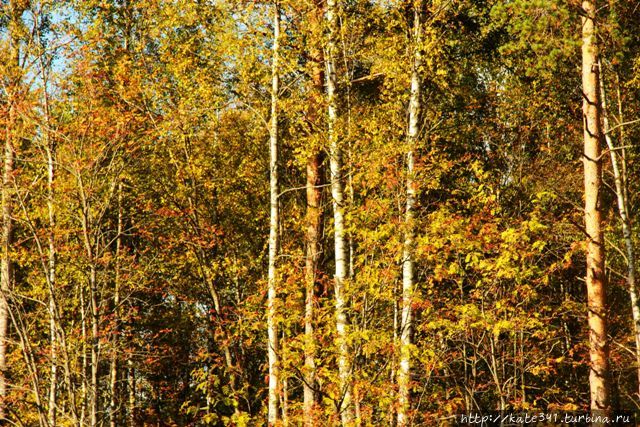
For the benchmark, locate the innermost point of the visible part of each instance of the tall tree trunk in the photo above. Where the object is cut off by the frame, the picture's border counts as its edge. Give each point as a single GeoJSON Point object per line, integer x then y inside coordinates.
{"type": "Point", "coordinates": [50, 151]}
{"type": "Point", "coordinates": [313, 224]}
{"type": "Point", "coordinates": [6, 264]}
{"type": "Point", "coordinates": [273, 228]}
{"type": "Point", "coordinates": [94, 393]}
{"type": "Point", "coordinates": [595, 275]}
{"type": "Point", "coordinates": [50, 267]}
{"type": "Point", "coordinates": [53, 383]}
{"type": "Point", "coordinates": [6, 267]}
{"type": "Point", "coordinates": [408, 287]}
{"type": "Point", "coordinates": [619, 178]}
{"type": "Point", "coordinates": [114, 369]}
{"type": "Point", "coordinates": [337, 193]}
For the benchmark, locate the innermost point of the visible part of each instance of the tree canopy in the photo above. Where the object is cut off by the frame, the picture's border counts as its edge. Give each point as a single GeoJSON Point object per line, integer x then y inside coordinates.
{"type": "Point", "coordinates": [341, 212]}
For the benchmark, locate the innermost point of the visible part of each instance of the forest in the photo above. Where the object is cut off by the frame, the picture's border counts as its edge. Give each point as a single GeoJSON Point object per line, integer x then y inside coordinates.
{"type": "Point", "coordinates": [317, 212]}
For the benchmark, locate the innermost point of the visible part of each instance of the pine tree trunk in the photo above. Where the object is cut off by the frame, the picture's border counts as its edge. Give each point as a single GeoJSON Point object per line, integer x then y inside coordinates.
{"type": "Point", "coordinates": [337, 193]}
{"type": "Point", "coordinates": [404, 369]}
{"type": "Point", "coordinates": [595, 275]}
{"type": "Point", "coordinates": [625, 219]}
{"type": "Point", "coordinates": [313, 225]}
{"type": "Point", "coordinates": [273, 229]}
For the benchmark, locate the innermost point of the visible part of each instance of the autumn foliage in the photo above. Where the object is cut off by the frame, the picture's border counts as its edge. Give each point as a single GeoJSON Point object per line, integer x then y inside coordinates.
{"type": "Point", "coordinates": [138, 203]}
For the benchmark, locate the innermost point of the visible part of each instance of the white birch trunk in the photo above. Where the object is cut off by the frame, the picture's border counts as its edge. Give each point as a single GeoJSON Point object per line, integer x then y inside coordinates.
{"type": "Point", "coordinates": [51, 275]}
{"type": "Point", "coordinates": [337, 193]}
{"type": "Point", "coordinates": [6, 265]}
{"type": "Point", "coordinates": [272, 327]}
{"type": "Point", "coordinates": [408, 286]}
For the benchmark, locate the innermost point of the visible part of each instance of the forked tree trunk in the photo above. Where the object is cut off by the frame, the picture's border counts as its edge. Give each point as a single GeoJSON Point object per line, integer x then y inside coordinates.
{"type": "Point", "coordinates": [408, 286]}
{"type": "Point", "coordinates": [273, 229]}
{"type": "Point", "coordinates": [620, 178]}
{"type": "Point", "coordinates": [337, 193]}
{"type": "Point", "coordinates": [94, 392]}
{"type": "Point", "coordinates": [595, 275]}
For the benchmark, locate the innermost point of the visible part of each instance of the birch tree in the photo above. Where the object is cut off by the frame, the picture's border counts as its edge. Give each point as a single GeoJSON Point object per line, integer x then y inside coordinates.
{"type": "Point", "coordinates": [273, 227]}
{"type": "Point", "coordinates": [114, 368]}
{"type": "Point", "coordinates": [50, 271]}
{"type": "Point", "coordinates": [337, 195]}
{"type": "Point", "coordinates": [408, 285]}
